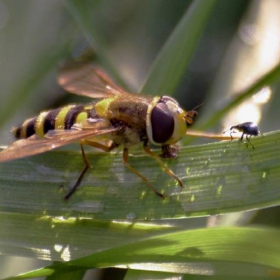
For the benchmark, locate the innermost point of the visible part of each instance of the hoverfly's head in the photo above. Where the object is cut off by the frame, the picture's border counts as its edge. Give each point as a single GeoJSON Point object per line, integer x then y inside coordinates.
{"type": "Point", "coordinates": [166, 121]}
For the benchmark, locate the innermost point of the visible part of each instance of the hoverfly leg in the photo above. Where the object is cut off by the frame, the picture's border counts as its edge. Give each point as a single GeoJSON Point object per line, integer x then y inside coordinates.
{"type": "Point", "coordinates": [87, 165]}
{"type": "Point", "coordinates": [106, 148]}
{"type": "Point", "coordinates": [133, 170]}
{"type": "Point", "coordinates": [97, 145]}
{"type": "Point", "coordinates": [167, 170]}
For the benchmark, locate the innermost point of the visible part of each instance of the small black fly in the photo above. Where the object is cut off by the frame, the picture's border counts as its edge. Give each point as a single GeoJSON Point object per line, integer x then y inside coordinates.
{"type": "Point", "coordinates": [248, 129]}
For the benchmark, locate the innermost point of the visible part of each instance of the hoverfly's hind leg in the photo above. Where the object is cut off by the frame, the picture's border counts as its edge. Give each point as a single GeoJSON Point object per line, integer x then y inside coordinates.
{"type": "Point", "coordinates": [78, 182]}
{"type": "Point", "coordinates": [167, 170]}
{"type": "Point", "coordinates": [133, 170]}
{"type": "Point", "coordinates": [108, 148]}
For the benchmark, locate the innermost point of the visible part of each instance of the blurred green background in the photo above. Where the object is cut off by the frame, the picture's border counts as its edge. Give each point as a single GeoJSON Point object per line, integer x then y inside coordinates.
{"type": "Point", "coordinates": [240, 43]}
{"type": "Point", "coordinates": [37, 35]}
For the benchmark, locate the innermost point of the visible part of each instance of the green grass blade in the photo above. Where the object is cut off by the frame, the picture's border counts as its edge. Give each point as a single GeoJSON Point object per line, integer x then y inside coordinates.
{"type": "Point", "coordinates": [64, 239]}
{"type": "Point", "coordinates": [219, 178]}
{"type": "Point", "coordinates": [152, 275]}
{"type": "Point", "coordinates": [188, 251]}
{"type": "Point", "coordinates": [76, 274]}
{"type": "Point", "coordinates": [175, 56]}
{"type": "Point", "coordinates": [155, 275]}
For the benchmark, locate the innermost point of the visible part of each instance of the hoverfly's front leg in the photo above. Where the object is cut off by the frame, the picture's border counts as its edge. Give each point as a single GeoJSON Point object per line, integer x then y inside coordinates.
{"type": "Point", "coordinates": [167, 170]}
{"type": "Point", "coordinates": [133, 170]}
{"type": "Point", "coordinates": [97, 145]}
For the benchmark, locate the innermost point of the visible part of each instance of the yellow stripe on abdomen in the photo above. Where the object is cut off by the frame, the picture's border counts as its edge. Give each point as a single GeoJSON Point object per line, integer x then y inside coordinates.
{"type": "Point", "coordinates": [39, 126]}
{"type": "Point", "coordinates": [81, 116]}
{"type": "Point", "coordinates": [60, 119]}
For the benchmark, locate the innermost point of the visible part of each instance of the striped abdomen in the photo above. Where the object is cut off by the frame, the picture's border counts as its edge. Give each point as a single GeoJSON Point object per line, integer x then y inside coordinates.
{"type": "Point", "coordinates": [62, 118]}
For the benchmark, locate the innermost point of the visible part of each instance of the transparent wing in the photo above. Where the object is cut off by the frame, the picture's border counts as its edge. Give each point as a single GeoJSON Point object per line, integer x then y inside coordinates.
{"type": "Point", "coordinates": [88, 80]}
{"type": "Point", "coordinates": [54, 139]}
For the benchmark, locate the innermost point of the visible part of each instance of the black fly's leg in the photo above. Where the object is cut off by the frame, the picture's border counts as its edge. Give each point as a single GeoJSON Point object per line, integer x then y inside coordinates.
{"type": "Point", "coordinates": [241, 139]}
{"type": "Point", "coordinates": [248, 137]}
{"type": "Point", "coordinates": [87, 165]}
{"type": "Point", "coordinates": [105, 148]}
{"type": "Point", "coordinates": [167, 170]}
{"type": "Point", "coordinates": [231, 138]}
{"type": "Point", "coordinates": [133, 170]}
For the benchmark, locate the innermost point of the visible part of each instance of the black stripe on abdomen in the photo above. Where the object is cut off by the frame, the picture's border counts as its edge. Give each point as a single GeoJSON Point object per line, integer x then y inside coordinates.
{"type": "Point", "coordinates": [71, 116]}
{"type": "Point", "coordinates": [16, 131]}
{"type": "Point", "coordinates": [49, 121]}
{"type": "Point", "coordinates": [26, 130]}
{"type": "Point", "coordinates": [30, 128]}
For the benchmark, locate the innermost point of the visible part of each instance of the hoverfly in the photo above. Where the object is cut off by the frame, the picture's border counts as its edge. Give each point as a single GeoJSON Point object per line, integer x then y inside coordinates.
{"type": "Point", "coordinates": [116, 118]}
{"type": "Point", "coordinates": [247, 128]}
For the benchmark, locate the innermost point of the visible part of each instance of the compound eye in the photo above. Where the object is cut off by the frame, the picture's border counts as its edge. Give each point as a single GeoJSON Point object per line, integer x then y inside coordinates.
{"type": "Point", "coordinates": [162, 123]}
